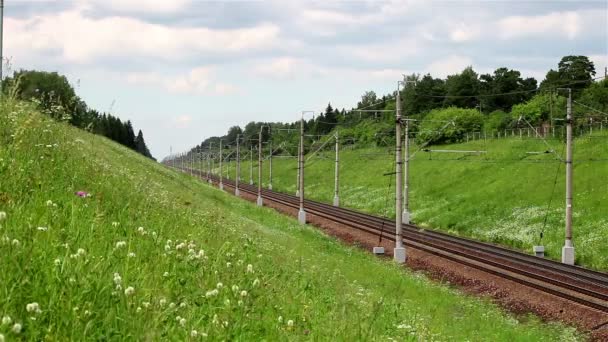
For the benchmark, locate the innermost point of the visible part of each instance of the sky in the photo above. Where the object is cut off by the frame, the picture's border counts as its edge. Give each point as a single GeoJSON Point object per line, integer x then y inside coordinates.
{"type": "Point", "coordinates": [185, 70]}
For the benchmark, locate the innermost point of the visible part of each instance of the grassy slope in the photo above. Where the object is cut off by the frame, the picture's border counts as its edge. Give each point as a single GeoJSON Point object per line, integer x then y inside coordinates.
{"type": "Point", "coordinates": [503, 202]}
{"type": "Point", "coordinates": [331, 292]}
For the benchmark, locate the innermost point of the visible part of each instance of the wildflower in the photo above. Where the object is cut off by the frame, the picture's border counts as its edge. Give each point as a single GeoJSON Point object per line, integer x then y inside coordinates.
{"type": "Point", "coordinates": [121, 244]}
{"type": "Point", "coordinates": [162, 302]}
{"type": "Point", "coordinates": [256, 282]}
{"type": "Point", "coordinates": [219, 285]}
{"type": "Point", "coordinates": [215, 319]}
{"type": "Point", "coordinates": [42, 229]}
{"type": "Point", "coordinates": [6, 320]}
{"type": "Point", "coordinates": [250, 268]}
{"type": "Point", "coordinates": [227, 302]}
{"type": "Point", "coordinates": [201, 253]}
{"type": "Point", "coordinates": [131, 255]}
{"type": "Point", "coordinates": [182, 322]}
{"type": "Point", "coordinates": [1, 338]}
{"type": "Point", "coordinates": [204, 334]}
{"type": "Point", "coordinates": [82, 194]}
{"type": "Point", "coordinates": [57, 262]}
{"type": "Point", "coordinates": [138, 310]}
{"type": "Point", "coordinates": [290, 323]}
{"type": "Point", "coordinates": [81, 252]}
{"type": "Point", "coordinates": [211, 293]}
{"type": "Point", "coordinates": [193, 333]}
{"type": "Point", "coordinates": [16, 328]}
{"type": "Point", "coordinates": [117, 279]}
{"type": "Point", "coordinates": [171, 305]}
{"type": "Point", "coordinates": [145, 304]}
{"type": "Point", "coordinates": [280, 319]}
{"type": "Point", "coordinates": [240, 302]}
{"type": "Point", "coordinates": [141, 230]}
{"type": "Point", "coordinates": [129, 291]}
{"type": "Point", "coordinates": [153, 234]}
{"type": "Point", "coordinates": [15, 242]}
{"type": "Point", "coordinates": [33, 308]}
{"type": "Point", "coordinates": [182, 305]}
{"type": "Point", "coordinates": [167, 248]}
{"type": "Point", "coordinates": [243, 293]}
{"type": "Point", "coordinates": [115, 224]}
{"type": "Point", "coordinates": [235, 288]}
{"type": "Point", "coordinates": [228, 264]}
{"type": "Point", "coordinates": [49, 203]}
{"type": "Point", "coordinates": [166, 274]}
{"type": "Point", "coordinates": [2, 215]}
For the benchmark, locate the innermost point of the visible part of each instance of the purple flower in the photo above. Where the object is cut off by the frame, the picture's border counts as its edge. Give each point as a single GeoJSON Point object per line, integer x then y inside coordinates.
{"type": "Point", "coordinates": [81, 194]}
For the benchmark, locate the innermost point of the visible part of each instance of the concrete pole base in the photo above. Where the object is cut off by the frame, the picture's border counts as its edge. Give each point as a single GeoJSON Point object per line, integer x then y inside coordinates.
{"type": "Point", "coordinates": [221, 186]}
{"type": "Point", "coordinates": [302, 217]}
{"type": "Point", "coordinates": [250, 182]}
{"type": "Point", "coordinates": [568, 255]}
{"type": "Point", "coordinates": [378, 250]}
{"type": "Point", "coordinates": [297, 193]}
{"type": "Point", "coordinates": [269, 186]}
{"type": "Point", "coordinates": [260, 201]}
{"type": "Point", "coordinates": [539, 251]}
{"type": "Point", "coordinates": [405, 217]}
{"type": "Point", "coordinates": [337, 203]}
{"type": "Point", "coordinates": [237, 192]}
{"type": "Point", "coordinates": [399, 254]}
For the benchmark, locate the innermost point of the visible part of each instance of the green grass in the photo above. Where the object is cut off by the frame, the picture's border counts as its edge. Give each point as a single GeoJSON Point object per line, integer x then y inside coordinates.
{"type": "Point", "coordinates": [141, 259]}
{"type": "Point", "coordinates": [501, 197]}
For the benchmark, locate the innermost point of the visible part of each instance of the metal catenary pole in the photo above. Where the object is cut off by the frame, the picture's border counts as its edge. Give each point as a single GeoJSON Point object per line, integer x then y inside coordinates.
{"type": "Point", "coordinates": [1, 44]}
{"type": "Point", "coordinates": [568, 249]}
{"type": "Point", "coordinates": [220, 156]}
{"type": "Point", "coordinates": [406, 191]}
{"type": "Point", "coordinates": [238, 166]}
{"type": "Point", "coordinates": [270, 164]}
{"type": "Point", "coordinates": [251, 165]}
{"type": "Point", "coordinates": [298, 173]}
{"type": "Point", "coordinates": [337, 173]}
{"type": "Point", "coordinates": [399, 251]}
{"type": "Point", "coordinates": [260, 152]}
{"type": "Point", "coordinates": [302, 212]}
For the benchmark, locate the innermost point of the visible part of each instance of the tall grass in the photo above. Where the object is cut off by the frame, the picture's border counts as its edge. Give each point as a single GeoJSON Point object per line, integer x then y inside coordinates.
{"type": "Point", "coordinates": [100, 243]}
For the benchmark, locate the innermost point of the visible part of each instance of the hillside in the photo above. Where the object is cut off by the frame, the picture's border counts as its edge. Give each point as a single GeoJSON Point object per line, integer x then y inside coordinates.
{"type": "Point", "coordinates": [99, 242]}
{"type": "Point", "coordinates": [501, 196]}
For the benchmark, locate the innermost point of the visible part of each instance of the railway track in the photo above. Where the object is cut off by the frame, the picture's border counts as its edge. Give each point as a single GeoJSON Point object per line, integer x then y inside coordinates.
{"type": "Point", "coordinates": [581, 285]}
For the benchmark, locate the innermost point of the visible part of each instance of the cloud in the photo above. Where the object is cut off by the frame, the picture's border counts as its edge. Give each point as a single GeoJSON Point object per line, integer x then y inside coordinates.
{"type": "Point", "coordinates": [182, 121]}
{"type": "Point", "coordinates": [464, 33]}
{"type": "Point", "coordinates": [197, 81]}
{"type": "Point", "coordinates": [448, 66]}
{"type": "Point", "coordinates": [138, 6]}
{"type": "Point", "coordinates": [77, 38]}
{"type": "Point", "coordinates": [565, 23]}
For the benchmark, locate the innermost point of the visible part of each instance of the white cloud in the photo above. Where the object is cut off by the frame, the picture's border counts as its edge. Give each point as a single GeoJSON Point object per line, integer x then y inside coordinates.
{"type": "Point", "coordinates": [564, 23]}
{"type": "Point", "coordinates": [198, 81]}
{"type": "Point", "coordinates": [81, 39]}
{"type": "Point", "coordinates": [139, 6]}
{"type": "Point", "coordinates": [463, 33]}
{"type": "Point", "coordinates": [448, 66]}
{"type": "Point", "coordinates": [182, 121]}
{"type": "Point", "coordinates": [287, 68]}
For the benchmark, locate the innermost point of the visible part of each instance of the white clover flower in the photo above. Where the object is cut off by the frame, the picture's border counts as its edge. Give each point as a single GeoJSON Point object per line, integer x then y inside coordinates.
{"type": "Point", "coordinates": [228, 264]}
{"type": "Point", "coordinates": [280, 319]}
{"type": "Point", "coordinates": [33, 308]}
{"type": "Point", "coordinates": [193, 333]}
{"type": "Point", "coordinates": [290, 323]}
{"type": "Point", "coordinates": [42, 229]}
{"type": "Point", "coordinates": [16, 328]}
{"type": "Point", "coordinates": [121, 244]}
{"type": "Point", "coordinates": [191, 251]}
{"type": "Point", "coordinates": [81, 252]}
{"type": "Point", "coordinates": [169, 242]}
{"type": "Point", "coordinates": [219, 285]}
{"type": "Point", "coordinates": [182, 305]}
{"type": "Point", "coordinates": [250, 268]}
{"type": "Point", "coordinates": [129, 291]}
{"type": "Point", "coordinates": [115, 224]}
{"type": "Point", "coordinates": [49, 203]}
{"type": "Point", "coordinates": [172, 305]}
{"type": "Point", "coordinates": [243, 293]}
{"type": "Point", "coordinates": [117, 279]}
{"type": "Point", "coordinates": [227, 302]}
{"type": "Point", "coordinates": [256, 282]}
{"type": "Point", "coordinates": [235, 288]}
{"type": "Point", "coordinates": [180, 246]}
{"type": "Point", "coordinates": [15, 242]}
{"type": "Point", "coordinates": [162, 302]}
{"type": "Point", "coordinates": [153, 234]}
{"type": "Point", "coordinates": [166, 274]}
{"type": "Point", "coordinates": [204, 334]}
{"type": "Point", "coordinates": [138, 310]}
{"type": "Point", "coordinates": [211, 293]}
{"type": "Point", "coordinates": [182, 322]}
{"type": "Point", "coordinates": [201, 253]}
{"type": "Point", "coordinates": [87, 313]}
{"type": "Point", "coordinates": [131, 255]}
{"type": "Point", "coordinates": [141, 230]}
{"type": "Point", "coordinates": [6, 320]}
{"type": "Point", "coordinates": [167, 248]}
{"type": "Point", "coordinates": [57, 262]}
{"type": "Point", "coordinates": [215, 319]}
{"type": "Point", "coordinates": [2, 215]}
{"type": "Point", "coordinates": [240, 302]}
{"type": "Point", "coordinates": [145, 304]}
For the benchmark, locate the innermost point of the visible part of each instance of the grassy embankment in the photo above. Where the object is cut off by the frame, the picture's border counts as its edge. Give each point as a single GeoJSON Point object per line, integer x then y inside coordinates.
{"type": "Point", "coordinates": [501, 196]}
{"type": "Point", "coordinates": [152, 254]}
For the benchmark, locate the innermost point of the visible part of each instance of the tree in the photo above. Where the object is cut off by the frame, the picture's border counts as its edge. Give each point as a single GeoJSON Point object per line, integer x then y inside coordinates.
{"type": "Point", "coordinates": [233, 132]}
{"type": "Point", "coordinates": [367, 99]}
{"type": "Point", "coordinates": [462, 88]}
{"type": "Point", "coordinates": [504, 81]}
{"type": "Point", "coordinates": [426, 94]}
{"type": "Point", "coordinates": [575, 71]}
{"type": "Point", "coordinates": [439, 130]}
{"type": "Point", "coordinates": [140, 145]}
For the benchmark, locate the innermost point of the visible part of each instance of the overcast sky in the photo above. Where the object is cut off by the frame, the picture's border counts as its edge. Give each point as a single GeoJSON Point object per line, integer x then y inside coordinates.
{"type": "Point", "coordinates": [184, 70]}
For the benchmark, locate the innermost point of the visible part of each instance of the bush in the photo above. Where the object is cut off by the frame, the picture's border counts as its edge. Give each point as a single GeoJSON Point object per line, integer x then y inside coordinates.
{"type": "Point", "coordinates": [449, 125]}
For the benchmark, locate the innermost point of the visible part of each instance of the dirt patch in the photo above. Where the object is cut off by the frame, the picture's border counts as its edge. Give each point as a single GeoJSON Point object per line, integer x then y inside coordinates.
{"type": "Point", "coordinates": [512, 296]}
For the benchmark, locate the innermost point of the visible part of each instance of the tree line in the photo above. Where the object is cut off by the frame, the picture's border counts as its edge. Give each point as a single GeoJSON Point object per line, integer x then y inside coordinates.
{"type": "Point", "coordinates": [56, 97]}
{"type": "Point", "coordinates": [480, 102]}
